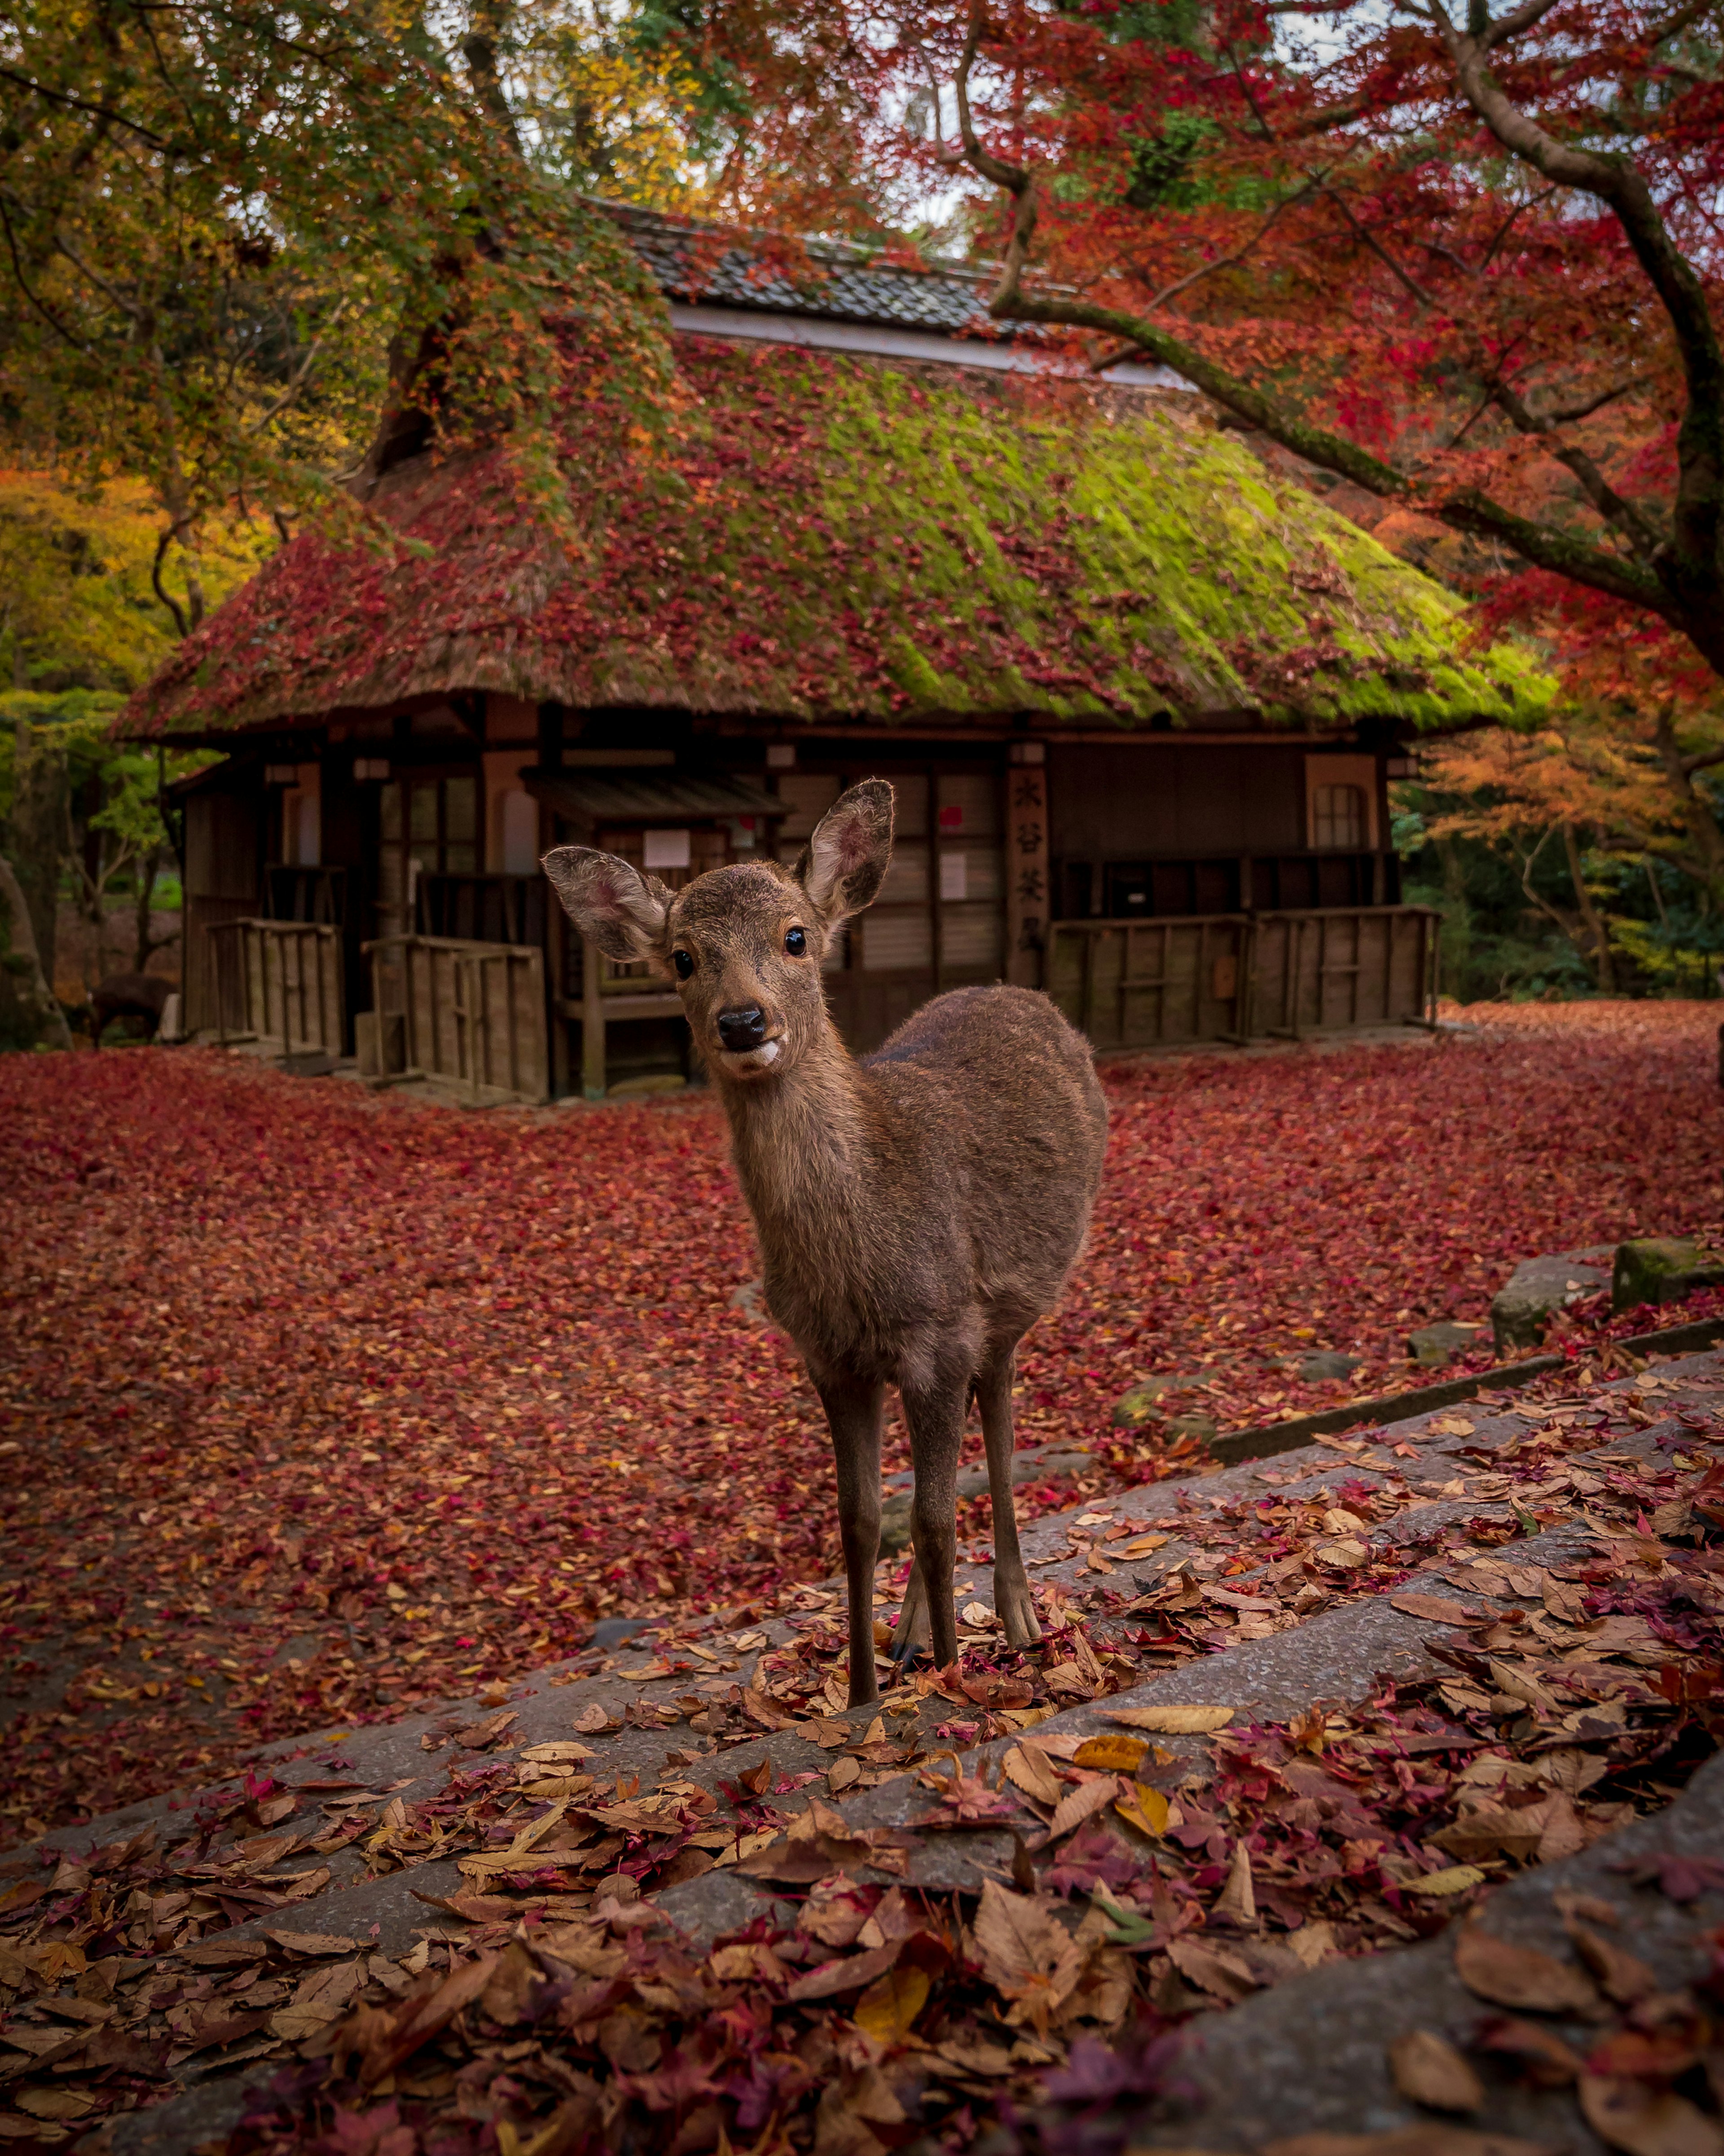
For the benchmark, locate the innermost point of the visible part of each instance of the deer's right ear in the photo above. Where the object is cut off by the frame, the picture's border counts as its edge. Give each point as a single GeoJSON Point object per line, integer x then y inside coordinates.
{"type": "Point", "coordinates": [614, 905]}
{"type": "Point", "coordinates": [843, 865]}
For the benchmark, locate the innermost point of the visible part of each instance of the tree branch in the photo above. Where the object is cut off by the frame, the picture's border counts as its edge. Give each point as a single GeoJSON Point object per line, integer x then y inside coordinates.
{"type": "Point", "coordinates": [1692, 566]}
{"type": "Point", "coordinates": [1464, 510]}
{"type": "Point", "coordinates": [81, 105]}
{"type": "Point", "coordinates": [166, 597]}
{"type": "Point", "coordinates": [1516, 20]}
{"type": "Point", "coordinates": [1626, 516]}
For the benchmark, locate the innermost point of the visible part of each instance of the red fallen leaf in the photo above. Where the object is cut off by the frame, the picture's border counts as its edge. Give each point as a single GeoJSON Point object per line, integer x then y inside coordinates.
{"type": "Point", "coordinates": [399, 1238]}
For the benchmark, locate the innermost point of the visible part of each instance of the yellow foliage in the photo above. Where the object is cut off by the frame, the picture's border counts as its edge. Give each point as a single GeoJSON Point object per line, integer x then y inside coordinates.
{"type": "Point", "coordinates": [79, 610]}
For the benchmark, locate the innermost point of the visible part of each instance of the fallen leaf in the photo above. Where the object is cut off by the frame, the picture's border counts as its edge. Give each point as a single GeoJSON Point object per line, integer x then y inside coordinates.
{"type": "Point", "coordinates": [1026, 1952]}
{"type": "Point", "coordinates": [1027, 1768]}
{"type": "Point", "coordinates": [1173, 1721]}
{"type": "Point", "coordinates": [1081, 1804]}
{"type": "Point", "coordinates": [1237, 1900]}
{"type": "Point", "coordinates": [1642, 2121]}
{"type": "Point", "coordinates": [1428, 2070]}
{"type": "Point", "coordinates": [1145, 1809]}
{"type": "Point", "coordinates": [1214, 1969]}
{"type": "Point", "coordinates": [1457, 1879]}
{"type": "Point", "coordinates": [1115, 1755]}
{"type": "Point", "coordinates": [887, 2010]}
{"type": "Point", "coordinates": [1508, 1975]}
{"type": "Point", "coordinates": [1620, 1975]}
{"type": "Point", "coordinates": [591, 1719]}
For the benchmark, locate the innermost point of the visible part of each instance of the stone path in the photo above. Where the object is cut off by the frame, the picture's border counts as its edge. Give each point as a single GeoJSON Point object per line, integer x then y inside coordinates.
{"type": "Point", "coordinates": [1302, 2075]}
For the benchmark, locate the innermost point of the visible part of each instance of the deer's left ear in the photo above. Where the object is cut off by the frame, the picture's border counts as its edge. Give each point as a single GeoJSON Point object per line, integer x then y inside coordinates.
{"type": "Point", "coordinates": [844, 864]}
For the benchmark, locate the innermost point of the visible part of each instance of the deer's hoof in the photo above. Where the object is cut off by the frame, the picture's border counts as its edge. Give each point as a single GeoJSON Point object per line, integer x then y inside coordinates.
{"type": "Point", "coordinates": [1016, 1613]}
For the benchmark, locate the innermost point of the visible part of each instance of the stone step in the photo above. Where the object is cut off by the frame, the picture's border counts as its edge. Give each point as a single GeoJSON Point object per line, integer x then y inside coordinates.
{"type": "Point", "coordinates": [1312, 2055]}
{"type": "Point", "coordinates": [1334, 1656]}
{"type": "Point", "coordinates": [549, 1700]}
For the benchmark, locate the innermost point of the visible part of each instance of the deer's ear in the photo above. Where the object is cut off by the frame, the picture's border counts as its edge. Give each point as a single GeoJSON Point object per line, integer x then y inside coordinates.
{"type": "Point", "coordinates": [614, 905]}
{"type": "Point", "coordinates": [842, 864]}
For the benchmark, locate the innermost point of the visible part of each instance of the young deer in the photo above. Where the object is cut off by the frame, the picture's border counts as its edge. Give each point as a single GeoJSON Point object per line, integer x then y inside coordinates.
{"type": "Point", "coordinates": [917, 1210]}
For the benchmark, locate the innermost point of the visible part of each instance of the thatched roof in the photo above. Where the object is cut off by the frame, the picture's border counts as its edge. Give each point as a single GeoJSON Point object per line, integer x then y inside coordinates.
{"type": "Point", "coordinates": [826, 536]}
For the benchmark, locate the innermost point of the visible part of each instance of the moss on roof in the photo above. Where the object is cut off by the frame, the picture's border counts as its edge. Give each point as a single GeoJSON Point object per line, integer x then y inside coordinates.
{"type": "Point", "coordinates": [828, 536]}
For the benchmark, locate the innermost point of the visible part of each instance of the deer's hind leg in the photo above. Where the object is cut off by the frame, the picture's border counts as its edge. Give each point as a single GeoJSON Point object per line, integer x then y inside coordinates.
{"type": "Point", "coordinates": [1011, 1581]}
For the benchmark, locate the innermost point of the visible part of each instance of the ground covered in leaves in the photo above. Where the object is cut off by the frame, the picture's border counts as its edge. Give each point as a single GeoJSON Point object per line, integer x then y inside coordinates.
{"type": "Point", "coordinates": [319, 1406]}
{"type": "Point", "coordinates": [1043, 2015]}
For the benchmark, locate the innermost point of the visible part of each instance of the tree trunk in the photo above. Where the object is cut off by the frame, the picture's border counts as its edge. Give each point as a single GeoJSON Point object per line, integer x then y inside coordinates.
{"type": "Point", "coordinates": [1694, 805]}
{"type": "Point", "coordinates": [30, 1016]}
{"type": "Point", "coordinates": [38, 835]}
{"type": "Point", "coordinates": [1597, 932]}
{"type": "Point", "coordinates": [1455, 937]}
{"type": "Point", "coordinates": [145, 875]}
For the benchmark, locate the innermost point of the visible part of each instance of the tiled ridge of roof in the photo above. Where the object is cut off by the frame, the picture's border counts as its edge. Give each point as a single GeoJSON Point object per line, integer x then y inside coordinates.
{"type": "Point", "coordinates": [699, 263]}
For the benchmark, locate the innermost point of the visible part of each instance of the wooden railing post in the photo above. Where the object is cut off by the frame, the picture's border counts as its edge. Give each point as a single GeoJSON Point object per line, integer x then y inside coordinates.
{"type": "Point", "coordinates": [593, 1055]}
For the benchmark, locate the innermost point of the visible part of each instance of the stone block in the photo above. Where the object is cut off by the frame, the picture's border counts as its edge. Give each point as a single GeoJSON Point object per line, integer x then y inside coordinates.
{"type": "Point", "coordinates": [1522, 1312]}
{"type": "Point", "coordinates": [1434, 1345]}
{"type": "Point", "coordinates": [1140, 1405]}
{"type": "Point", "coordinates": [1662, 1269]}
{"type": "Point", "coordinates": [1326, 1363]}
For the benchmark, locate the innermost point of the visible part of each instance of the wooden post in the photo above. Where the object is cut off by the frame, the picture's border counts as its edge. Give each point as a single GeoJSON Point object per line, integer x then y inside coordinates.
{"type": "Point", "coordinates": [593, 1057]}
{"type": "Point", "coordinates": [1027, 905]}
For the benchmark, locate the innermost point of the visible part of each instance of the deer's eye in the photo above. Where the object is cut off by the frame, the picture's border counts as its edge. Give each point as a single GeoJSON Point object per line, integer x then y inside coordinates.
{"type": "Point", "coordinates": [796, 942]}
{"type": "Point", "coordinates": [684, 964]}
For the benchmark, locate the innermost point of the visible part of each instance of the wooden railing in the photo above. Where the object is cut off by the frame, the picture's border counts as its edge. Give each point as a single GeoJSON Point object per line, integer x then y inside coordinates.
{"type": "Point", "coordinates": [470, 1013]}
{"type": "Point", "coordinates": [279, 982]}
{"type": "Point", "coordinates": [1237, 976]}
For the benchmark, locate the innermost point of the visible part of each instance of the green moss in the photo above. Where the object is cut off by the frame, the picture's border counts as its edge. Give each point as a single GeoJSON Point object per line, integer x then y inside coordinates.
{"type": "Point", "coordinates": [833, 536]}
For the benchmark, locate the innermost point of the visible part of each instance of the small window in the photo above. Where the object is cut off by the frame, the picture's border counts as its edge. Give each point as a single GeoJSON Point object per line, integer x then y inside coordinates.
{"type": "Point", "coordinates": [1337, 817]}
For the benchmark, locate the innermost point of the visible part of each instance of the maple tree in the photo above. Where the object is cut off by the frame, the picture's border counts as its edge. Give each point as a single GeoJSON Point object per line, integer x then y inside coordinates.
{"type": "Point", "coordinates": [230, 239]}
{"type": "Point", "coordinates": [1438, 258]}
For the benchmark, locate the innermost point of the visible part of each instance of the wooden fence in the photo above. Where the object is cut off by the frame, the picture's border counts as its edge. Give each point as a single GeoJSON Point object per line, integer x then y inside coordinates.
{"type": "Point", "coordinates": [1236, 977]}
{"type": "Point", "coordinates": [470, 1013]}
{"type": "Point", "coordinates": [276, 982]}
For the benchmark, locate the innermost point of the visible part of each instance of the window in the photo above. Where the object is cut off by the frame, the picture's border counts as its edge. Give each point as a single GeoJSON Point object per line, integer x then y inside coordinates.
{"type": "Point", "coordinates": [430, 827]}
{"type": "Point", "coordinates": [1337, 818]}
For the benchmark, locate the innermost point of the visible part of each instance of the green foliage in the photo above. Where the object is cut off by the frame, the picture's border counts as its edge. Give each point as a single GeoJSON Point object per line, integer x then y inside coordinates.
{"type": "Point", "coordinates": [231, 235]}
{"type": "Point", "coordinates": [1666, 936]}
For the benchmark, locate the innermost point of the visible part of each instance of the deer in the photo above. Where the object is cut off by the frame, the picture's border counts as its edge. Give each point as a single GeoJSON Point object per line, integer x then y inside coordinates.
{"type": "Point", "coordinates": [917, 1209]}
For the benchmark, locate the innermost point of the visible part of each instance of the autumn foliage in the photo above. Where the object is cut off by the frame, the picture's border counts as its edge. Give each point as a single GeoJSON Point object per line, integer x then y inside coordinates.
{"type": "Point", "coordinates": [319, 1406]}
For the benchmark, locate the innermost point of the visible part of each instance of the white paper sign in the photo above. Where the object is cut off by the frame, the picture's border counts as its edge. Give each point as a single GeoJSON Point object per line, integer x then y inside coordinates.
{"type": "Point", "coordinates": [954, 876]}
{"type": "Point", "coordinates": [667, 850]}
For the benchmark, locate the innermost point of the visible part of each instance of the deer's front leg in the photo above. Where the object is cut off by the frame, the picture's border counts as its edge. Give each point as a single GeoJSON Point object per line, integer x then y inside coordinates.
{"type": "Point", "coordinates": [1011, 1581]}
{"type": "Point", "coordinates": [853, 1414]}
{"type": "Point", "coordinates": [935, 1413]}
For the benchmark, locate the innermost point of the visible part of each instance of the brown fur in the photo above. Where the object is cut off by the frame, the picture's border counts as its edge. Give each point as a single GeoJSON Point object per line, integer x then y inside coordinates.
{"type": "Point", "coordinates": [917, 1210]}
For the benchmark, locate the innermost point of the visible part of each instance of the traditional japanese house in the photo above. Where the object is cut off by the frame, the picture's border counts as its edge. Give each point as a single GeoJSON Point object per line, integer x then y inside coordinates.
{"type": "Point", "coordinates": [1140, 697]}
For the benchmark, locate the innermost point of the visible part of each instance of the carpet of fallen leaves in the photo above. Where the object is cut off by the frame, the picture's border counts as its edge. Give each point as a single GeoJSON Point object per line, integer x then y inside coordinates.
{"type": "Point", "coordinates": [319, 1406]}
{"type": "Point", "coordinates": [1148, 1888]}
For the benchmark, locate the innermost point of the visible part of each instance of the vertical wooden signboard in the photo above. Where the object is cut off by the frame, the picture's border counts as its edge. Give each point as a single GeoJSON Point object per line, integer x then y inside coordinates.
{"type": "Point", "coordinates": [1027, 901]}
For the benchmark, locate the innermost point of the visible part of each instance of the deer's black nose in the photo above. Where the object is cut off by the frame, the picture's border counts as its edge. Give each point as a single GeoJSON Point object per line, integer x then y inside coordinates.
{"type": "Point", "coordinates": [743, 1027]}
